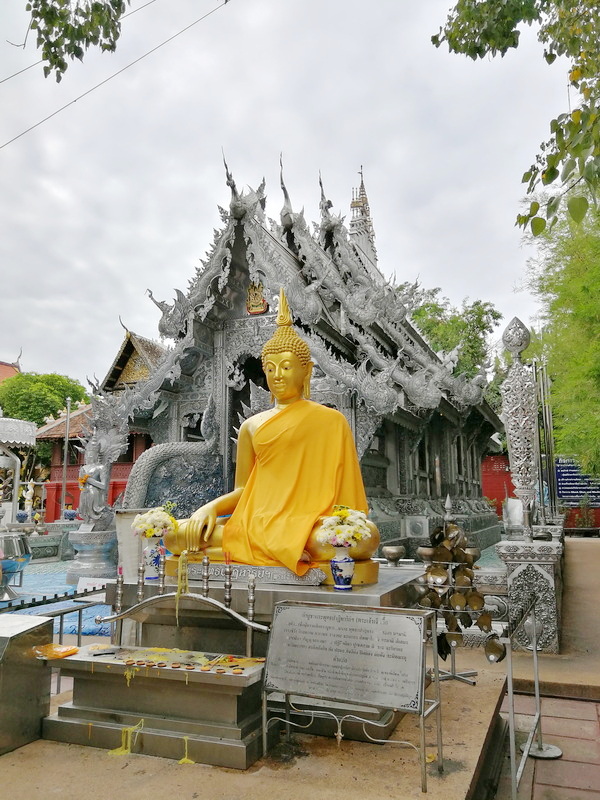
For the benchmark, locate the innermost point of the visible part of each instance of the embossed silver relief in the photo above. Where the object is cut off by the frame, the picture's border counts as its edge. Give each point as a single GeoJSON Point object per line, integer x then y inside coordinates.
{"type": "Point", "coordinates": [516, 338]}
{"type": "Point", "coordinates": [235, 377]}
{"type": "Point", "coordinates": [520, 417]}
{"type": "Point", "coordinates": [529, 582]}
{"type": "Point", "coordinates": [366, 425]}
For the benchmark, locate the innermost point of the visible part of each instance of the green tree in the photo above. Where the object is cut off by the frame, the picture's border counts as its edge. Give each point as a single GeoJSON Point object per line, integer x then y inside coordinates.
{"type": "Point", "coordinates": [34, 397]}
{"type": "Point", "coordinates": [570, 158]}
{"type": "Point", "coordinates": [566, 278]}
{"type": "Point", "coordinates": [66, 30]}
{"type": "Point", "coordinates": [447, 328]}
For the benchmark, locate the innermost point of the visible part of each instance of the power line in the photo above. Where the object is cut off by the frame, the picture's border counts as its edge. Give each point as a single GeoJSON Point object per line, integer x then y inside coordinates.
{"type": "Point", "coordinates": [14, 75]}
{"type": "Point", "coordinates": [114, 75]}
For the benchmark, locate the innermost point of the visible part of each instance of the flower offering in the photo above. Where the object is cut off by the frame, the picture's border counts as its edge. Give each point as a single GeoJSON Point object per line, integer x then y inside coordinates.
{"type": "Point", "coordinates": [156, 522]}
{"type": "Point", "coordinates": [344, 528]}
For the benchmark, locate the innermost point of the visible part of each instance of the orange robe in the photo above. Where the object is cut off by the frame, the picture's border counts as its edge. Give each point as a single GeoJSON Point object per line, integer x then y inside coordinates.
{"type": "Point", "coordinates": [306, 463]}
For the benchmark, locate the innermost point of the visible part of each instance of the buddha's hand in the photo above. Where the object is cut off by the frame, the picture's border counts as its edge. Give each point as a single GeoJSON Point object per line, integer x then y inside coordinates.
{"type": "Point", "coordinates": [200, 527]}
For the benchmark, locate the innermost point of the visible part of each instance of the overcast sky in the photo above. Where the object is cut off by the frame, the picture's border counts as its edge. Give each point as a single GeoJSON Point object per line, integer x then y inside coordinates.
{"type": "Point", "coordinates": [119, 192]}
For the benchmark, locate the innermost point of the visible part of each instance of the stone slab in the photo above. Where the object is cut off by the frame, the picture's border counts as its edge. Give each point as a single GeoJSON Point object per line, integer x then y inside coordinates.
{"type": "Point", "coordinates": [558, 793]}
{"type": "Point", "coordinates": [568, 774]}
{"type": "Point", "coordinates": [557, 726]}
{"type": "Point", "coordinates": [581, 750]}
{"type": "Point", "coordinates": [554, 707]}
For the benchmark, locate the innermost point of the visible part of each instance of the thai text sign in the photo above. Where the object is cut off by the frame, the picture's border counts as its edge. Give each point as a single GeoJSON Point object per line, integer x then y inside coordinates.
{"type": "Point", "coordinates": [573, 485]}
{"type": "Point", "coordinates": [372, 656]}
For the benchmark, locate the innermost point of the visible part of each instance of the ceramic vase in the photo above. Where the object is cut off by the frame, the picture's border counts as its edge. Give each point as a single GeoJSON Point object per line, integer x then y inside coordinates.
{"type": "Point", "coordinates": [151, 550]}
{"type": "Point", "coordinates": [342, 569]}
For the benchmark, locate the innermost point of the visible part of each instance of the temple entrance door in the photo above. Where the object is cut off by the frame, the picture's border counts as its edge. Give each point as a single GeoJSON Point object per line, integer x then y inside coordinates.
{"type": "Point", "coordinates": [247, 394]}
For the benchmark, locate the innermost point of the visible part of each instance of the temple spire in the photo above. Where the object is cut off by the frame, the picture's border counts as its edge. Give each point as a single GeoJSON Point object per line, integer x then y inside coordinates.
{"type": "Point", "coordinates": [361, 228]}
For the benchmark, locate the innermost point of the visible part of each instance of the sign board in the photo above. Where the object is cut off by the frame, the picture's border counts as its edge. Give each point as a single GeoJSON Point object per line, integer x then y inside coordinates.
{"type": "Point", "coordinates": [369, 656]}
{"type": "Point", "coordinates": [572, 484]}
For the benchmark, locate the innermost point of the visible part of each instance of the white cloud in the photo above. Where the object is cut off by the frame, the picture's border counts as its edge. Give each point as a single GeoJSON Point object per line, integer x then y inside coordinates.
{"type": "Point", "coordinates": [118, 193]}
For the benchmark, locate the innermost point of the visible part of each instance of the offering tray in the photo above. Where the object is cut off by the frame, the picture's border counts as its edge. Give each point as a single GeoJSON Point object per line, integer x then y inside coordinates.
{"type": "Point", "coordinates": [172, 658]}
{"type": "Point", "coordinates": [204, 706]}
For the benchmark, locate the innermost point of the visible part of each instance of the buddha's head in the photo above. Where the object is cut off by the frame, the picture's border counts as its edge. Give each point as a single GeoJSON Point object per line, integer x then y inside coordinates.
{"type": "Point", "coordinates": [286, 359]}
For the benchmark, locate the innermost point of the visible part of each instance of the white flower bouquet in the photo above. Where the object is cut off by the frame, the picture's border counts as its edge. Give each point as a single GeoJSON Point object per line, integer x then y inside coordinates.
{"type": "Point", "coordinates": [344, 528]}
{"type": "Point", "coordinates": [156, 522]}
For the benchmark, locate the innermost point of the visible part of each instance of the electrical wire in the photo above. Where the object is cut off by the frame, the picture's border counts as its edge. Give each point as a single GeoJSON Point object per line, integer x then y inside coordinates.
{"type": "Point", "coordinates": [14, 75]}
{"type": "Point", "coordinates": [114, 75]}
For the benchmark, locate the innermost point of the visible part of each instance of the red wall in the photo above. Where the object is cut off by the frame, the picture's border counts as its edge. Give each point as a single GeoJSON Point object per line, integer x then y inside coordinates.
{"type": "Point", "coordinates": [572, 514]}
{"type": "Point", "coordinates": [54, 492]}
{"type": "Point", "coordinates": [119, 475]}
{"type": "Point", "coordinates": [496, 482]}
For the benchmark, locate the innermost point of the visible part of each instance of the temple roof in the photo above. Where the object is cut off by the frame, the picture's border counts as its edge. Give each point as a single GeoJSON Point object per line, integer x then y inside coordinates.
{"type": "Point", "coordinates": [57, 428]}
{"type": "Point", "coordinates": [356, 322]}
{"type": "Point", "coordinates": [8, 370]}
{"type": "Point", "coordinates": [136, 360]}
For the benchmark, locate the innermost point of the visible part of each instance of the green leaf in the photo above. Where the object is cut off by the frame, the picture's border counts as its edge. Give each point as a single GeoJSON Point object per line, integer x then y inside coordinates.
{"type": "Point", "coordinates": [568, 168]}
{"type": "Point", "coordinates": [577, 208]}
{"type": "Point", "coordinates": [534, 208]}
{"type": "Point", "coordinates": [549, 175]}
{"type": "Point", "coordinates": [552, 206]}
{"type": "Point", "coordinates": [538, 225]}
{"type": "Point", "coordinates": [589, 172]}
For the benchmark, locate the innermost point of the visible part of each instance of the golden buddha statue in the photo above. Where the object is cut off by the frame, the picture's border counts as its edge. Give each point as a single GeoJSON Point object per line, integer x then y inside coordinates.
{"type": "Point", "coordinates": [294, 463]}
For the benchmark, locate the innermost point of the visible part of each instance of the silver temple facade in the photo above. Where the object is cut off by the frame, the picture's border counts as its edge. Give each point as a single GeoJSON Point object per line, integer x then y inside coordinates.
{"type": "Point", "coordinates": [419, 429]}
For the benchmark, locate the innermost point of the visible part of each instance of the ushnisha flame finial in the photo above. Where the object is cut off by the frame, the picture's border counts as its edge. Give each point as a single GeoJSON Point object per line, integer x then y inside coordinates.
{"type": "Point", "coordinates": [285, 339]}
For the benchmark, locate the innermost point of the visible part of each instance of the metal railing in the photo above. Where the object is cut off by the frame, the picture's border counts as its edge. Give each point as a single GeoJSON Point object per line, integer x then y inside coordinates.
{"type": "Point", "coordinates": [61, 613]}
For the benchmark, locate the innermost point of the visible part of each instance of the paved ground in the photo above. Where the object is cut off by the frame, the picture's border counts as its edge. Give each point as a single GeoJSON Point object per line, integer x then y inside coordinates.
{"type": "Point", "coordinates": [571, 724]}
{"type": "Point", "coordinates": [574, 727]}
{"type": "Point", "coordinates": [319, 769]}
{"type": "Point", "coordinates": [316, 768]}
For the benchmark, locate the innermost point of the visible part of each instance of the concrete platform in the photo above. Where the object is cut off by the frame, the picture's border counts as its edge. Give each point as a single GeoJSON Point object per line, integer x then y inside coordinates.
{"type": "Point", "coordinates": [213, 716]}
{"type": "Point", "coordinates": [318, 768]}
{"type": "Point", "coordinates": [359, 770]}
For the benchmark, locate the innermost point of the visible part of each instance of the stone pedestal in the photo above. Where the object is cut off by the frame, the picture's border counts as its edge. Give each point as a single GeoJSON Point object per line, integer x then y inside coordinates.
{"type": "Point", "coordinates": [95, 553]}
{"type": "Point", "coordinates": [549, 530]}
{"type": "Point", "coordinates": [534, 569]}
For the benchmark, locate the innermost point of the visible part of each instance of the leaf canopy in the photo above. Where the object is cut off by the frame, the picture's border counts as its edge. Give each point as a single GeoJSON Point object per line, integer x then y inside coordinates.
{"type": "Point", "coordinates": [570, 158]}
{"type": "Point", "coordinates": [34, 397]}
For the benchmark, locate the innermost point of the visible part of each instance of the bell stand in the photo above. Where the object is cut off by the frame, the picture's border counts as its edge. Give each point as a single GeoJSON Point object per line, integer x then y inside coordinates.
{"type": "Point", "coordinates": [466, 676]}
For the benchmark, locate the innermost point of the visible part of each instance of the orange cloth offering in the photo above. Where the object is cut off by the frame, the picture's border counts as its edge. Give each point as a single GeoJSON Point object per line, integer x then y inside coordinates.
{"type": "Point", "coordinates": [55, 650]}
{"type": "Point", "coordinates": [306, 463]}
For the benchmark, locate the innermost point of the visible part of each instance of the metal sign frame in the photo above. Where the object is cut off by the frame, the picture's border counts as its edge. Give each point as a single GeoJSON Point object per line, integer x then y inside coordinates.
{"type": "Point", "coordinates": [287, 636]}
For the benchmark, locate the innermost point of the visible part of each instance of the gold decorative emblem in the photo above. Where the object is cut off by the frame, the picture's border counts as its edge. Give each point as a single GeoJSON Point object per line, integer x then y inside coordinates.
{"type": "Point", "coordinates": [255, 301]}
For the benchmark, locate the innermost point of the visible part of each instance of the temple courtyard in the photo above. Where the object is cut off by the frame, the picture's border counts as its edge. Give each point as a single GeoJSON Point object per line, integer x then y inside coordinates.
{"type": "Point", "coordinates": [316, 766]}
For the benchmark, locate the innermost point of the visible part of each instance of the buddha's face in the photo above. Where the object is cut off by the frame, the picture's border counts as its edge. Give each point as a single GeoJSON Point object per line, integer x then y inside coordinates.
{"type": "Point", "coordinates": [285, 377]}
